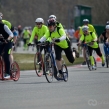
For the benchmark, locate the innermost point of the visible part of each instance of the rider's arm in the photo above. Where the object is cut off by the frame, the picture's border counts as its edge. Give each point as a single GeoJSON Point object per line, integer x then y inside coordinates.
{"type": "Point", "coordinates": [8, 32]}
{"type": "Point", "coordinates": [94, 36]}
{"type": "Point", "coordinates": [46, 36]}
{"type": "Point", "coordinates": [32, 35]}
{"type": "Point", "coordinates": [81, 39]}
{"type": "Point", "coordinates": [63, 34]}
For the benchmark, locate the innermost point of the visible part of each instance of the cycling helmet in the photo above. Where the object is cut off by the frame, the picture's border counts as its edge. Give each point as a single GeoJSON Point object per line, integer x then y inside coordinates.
{"type": "Point", "coordinates": [85, 28]}
{"type": "Point", "coordinates": [107, 26]}
{"type": "Point", "coordinates": [51, 22]}
{"type": "Point", "coordinates": [85, 21]}
{"type": "Point", "coordinates": [52, 16]}
{"type": "Point", "coordinates": [39, 20]}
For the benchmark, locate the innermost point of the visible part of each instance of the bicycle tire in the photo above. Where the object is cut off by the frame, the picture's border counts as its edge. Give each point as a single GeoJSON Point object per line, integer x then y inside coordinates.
{"type": "Point", "coordinates": [65, 72]}
{"type": "Point", "coordinates": [49, 67]}
{"type": "Point", "coordinates": [107, 61]}
{"type": "Point", "coordinates": [15, 71]}
{"type": "Point", "coordinates": [38, 64]}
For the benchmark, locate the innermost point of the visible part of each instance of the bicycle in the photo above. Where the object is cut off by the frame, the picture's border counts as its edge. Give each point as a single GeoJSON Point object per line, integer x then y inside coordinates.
{"type": "Point", "coordinates": [51, 67]}
{"type": "Point", "coordinates": [14, 70]}
{"type": "Point", "coordinates": [87, 56]}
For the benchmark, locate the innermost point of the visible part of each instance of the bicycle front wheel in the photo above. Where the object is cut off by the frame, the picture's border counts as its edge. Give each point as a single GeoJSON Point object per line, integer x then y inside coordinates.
{"type": "Point", "coordinates": [65, 72]}
{"type": "Point", "coordinates": [49, 68]}
{"type": "Point", "coordinates": [15, 71]}
{"type": "Point", "coordinates": [38, 64]}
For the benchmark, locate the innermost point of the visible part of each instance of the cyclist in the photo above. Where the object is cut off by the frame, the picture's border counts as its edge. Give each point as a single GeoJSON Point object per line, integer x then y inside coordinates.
{"type": "Point", "coordinates": [91, 29]}
{"type": "Point", "coordinates": [38, 31]}
{"type": "Point", "coordinates": [26, 35]}
{"type": "Point", "coordinates": [62, 43]}
{"type": "Point", "coordinates": [6, 22]}
{"type": "Point", "coordinates": [91, 37]}
{"type": "Point", "coordinates": [105, 37]}
{"type": "Point", "coordinates": [6, 48]}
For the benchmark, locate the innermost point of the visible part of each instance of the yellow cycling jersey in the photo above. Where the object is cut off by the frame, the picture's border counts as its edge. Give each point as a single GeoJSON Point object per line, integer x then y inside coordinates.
{"type": "Point", "coordinates": [7, 23]}
{"type": "Point", "coordinates": [38, 32]}
{"type": "Point", "coordinates": [89, 38]}
{"type": "Point", "coordinates": [26, 34]}
{"type": "Point", "coordinates": [55, 35]}
{"type": "Point", "coordinates": [91, 29]}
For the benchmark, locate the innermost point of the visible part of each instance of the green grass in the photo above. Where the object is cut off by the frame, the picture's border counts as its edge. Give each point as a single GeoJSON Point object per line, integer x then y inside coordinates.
{"type": "Point", "coordinates": [26, 61]}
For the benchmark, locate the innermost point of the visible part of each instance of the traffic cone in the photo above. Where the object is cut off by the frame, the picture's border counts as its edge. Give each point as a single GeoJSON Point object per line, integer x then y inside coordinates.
{"type": "Point", "coordinates": [98, 59]}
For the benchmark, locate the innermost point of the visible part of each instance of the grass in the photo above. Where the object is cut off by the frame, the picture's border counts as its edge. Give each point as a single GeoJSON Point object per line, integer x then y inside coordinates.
{"type": "Point", "coordinates": [26, 61]}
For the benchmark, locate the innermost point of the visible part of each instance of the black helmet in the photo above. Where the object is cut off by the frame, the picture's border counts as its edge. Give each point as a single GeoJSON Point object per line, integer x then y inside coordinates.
{"type": "Point", "coordinates": [51, 22]}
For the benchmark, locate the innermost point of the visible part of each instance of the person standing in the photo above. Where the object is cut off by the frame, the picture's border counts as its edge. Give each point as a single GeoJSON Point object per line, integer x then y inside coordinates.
{"type": "Point", "coordinates": [71, 32]}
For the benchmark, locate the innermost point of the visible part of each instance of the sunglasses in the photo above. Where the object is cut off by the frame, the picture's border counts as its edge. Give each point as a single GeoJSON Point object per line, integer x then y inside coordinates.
{"type": "Point", "coordinates": [38, 23]}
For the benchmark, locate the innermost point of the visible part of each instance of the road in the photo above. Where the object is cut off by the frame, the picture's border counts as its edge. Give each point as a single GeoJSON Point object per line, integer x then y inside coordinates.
{"type": "Point", "coordinates": [84, 90]}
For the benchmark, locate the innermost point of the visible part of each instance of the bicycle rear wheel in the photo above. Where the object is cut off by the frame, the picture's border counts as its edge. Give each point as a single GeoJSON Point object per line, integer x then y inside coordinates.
{"type": "Point", "coordinates": [49, 68]}
{"type": "Point", "coordinates": [15, 71]}
{"type": "Point", "coordinates": [38, 64]}
{"type": "Point", "coordinates": [89, 64]}
{"type": "Point", "coordinates": [65, 72]}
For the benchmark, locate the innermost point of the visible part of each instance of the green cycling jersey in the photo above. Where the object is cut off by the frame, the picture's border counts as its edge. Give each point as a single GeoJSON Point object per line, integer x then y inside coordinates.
{"type": "Point", "coordinates": [89, 38]}
{"type": "Point", "coordinates": [55, 35]}
{"type": "Point", "coordinates": [39, 32]}
{"type": "Point", "coordinates": [26, 34]}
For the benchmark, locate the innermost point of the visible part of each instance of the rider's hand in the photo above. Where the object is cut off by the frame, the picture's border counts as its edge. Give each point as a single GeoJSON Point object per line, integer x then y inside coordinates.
{"type": "Point", "coordinates": [57, 40]}
{"type": "Point", "coordinates": [29, 44]}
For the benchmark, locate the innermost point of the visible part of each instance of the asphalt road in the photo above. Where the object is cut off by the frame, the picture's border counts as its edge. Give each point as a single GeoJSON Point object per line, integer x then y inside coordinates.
{"type": "Point", "coordinates": [84, 90]}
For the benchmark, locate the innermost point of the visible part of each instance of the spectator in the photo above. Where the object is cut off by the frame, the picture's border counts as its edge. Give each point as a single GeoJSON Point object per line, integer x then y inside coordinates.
{"type": "Point", "coordinates": [71, 32]}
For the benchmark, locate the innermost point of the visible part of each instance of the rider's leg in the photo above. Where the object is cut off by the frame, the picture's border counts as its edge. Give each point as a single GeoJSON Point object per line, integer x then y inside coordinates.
{"type": "Point", "coordinates": [58, 51]}
{"type": "Point", "coordinates": [91, 57]}
{"type": "Point", "coordinates": [6, 57]}
{"type": "Point", "coordinates": [98, 51]}
{"type": "Point", "coordinates": [84, 57]}
{"type": "Point", "coordinates": [11, 57]}
{"type": "Point", "coordinates": [69, 55]}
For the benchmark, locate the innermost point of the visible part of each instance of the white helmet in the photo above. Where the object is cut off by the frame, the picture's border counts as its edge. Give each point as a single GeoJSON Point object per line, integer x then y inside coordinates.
{"type": "Point", "coordinates": [52, 16]}
{"type": "Point", "coordinates": [107, 26]}
{"type": "Point", "coordinates": [39, 20]}
{"type": "Point", "coordinates": [85, 21]}
{"type": "Point", "coordinates": [85, 28]}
